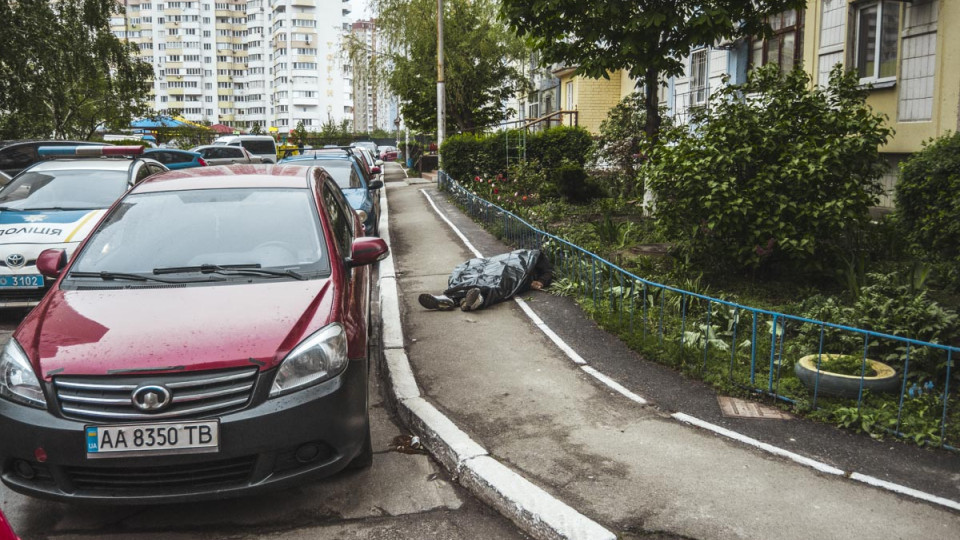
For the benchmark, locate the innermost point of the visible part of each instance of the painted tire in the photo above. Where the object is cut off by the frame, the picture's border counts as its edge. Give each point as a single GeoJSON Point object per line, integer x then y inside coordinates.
{"type": "Point", "coordinates": [845, 386]}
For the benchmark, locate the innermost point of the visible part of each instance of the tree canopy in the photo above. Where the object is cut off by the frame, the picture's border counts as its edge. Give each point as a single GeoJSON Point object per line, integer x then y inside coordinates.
{"type": "Point", "coordinates": [482, 61]}
{"type": "Point", "coordinates": [63, 73]}
{"type": "Point", "coordinates": [648, 38]}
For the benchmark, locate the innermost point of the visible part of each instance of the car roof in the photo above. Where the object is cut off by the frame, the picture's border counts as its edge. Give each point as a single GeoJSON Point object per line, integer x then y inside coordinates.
{"type": "Point", "coordinates": [231, 176]}
{"type": "Point", "coordinates": [153, 150]}
{"type": "Point", "coordinates": [11, 142]}
{"type": "Point", "coordinates": [87, 164]}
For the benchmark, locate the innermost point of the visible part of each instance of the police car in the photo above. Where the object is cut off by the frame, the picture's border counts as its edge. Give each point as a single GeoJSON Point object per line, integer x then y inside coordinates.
{"type": "Point", "coordinates": [55, 204]}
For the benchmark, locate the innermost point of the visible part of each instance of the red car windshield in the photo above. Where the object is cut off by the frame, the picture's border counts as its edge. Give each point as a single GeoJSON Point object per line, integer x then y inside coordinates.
{"type": "Point", "coordinates": [273, 228]}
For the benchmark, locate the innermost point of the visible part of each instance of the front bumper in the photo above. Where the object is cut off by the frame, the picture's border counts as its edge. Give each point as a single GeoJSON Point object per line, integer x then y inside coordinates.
{"type": "Point", "coordinates": [327, 423]}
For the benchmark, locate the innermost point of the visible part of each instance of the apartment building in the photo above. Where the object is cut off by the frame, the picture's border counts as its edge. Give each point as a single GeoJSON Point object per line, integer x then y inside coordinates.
{"type": "Point", "coordinates": [274, 63]}
{"type": "Point", "coordinates": [373, 106]}
{"type": "Point", "coordinates": [909, 54]}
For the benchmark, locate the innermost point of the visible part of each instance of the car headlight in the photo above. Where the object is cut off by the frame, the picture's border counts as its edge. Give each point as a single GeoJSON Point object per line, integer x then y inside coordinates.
{"type": "Point", "coordinates": [321, 356]}
{"type": "Point", "coordinates": [363, 216]}
{"type": "Point", "coordinates": [17, 381]}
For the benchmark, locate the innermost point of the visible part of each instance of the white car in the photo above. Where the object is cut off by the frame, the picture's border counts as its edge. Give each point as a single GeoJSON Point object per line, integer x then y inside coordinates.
{"type": "Point", "coordinates": [55, 204]}
{"type": "Point", "coordinates": [262, 146]}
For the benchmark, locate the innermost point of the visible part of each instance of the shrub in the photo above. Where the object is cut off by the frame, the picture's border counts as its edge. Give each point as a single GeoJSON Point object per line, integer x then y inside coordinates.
{"type": "Point", "coordinates": [466, 156]}
{"type": "Point", "coordinates": [890, 306]}
{"type": "Point", "coordinates": [572, 183]}
{"type": "Point", "coordinates": [461, 156]}
{"type": "Point", "coordinates": [622, 146]}
{"type": "Point", "coordinates": [551, 147]}
{"type": "Point", "coordinates": [928, 198]}
{"type": "Point", "coordinates": [773, 172]}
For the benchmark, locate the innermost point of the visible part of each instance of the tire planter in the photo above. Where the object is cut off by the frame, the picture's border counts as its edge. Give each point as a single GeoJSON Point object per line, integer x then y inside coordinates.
{"type": "Point", "coordinates": [844, 386]}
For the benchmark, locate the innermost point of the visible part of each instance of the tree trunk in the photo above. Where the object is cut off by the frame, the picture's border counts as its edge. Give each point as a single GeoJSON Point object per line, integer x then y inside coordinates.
{"type": "Point", "coordinates": [651, 105]}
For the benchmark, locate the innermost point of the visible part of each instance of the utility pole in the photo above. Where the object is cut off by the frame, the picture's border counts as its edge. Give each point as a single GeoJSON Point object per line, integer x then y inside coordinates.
{"type": "Point", "coordinates": [441, 95]}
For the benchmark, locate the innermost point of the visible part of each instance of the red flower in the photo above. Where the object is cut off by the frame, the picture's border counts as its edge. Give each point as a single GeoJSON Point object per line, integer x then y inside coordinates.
{"type": "Point", "coordinates": [524, 197]}
{"type": "Point", "coordinates": [495, 191]}
{"type": "Point", "coordinates": [476, 179]}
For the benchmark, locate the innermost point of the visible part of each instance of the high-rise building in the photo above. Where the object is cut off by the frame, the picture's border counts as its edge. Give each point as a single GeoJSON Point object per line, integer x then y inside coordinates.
{"type": "Point", "coordinates": [373, 105]}
{"type": "Point", "coordinates": [243, 62]}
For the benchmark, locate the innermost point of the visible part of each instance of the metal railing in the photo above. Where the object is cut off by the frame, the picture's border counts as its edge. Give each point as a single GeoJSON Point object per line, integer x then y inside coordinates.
{"type": "Point", "coordinates": [749, 346]}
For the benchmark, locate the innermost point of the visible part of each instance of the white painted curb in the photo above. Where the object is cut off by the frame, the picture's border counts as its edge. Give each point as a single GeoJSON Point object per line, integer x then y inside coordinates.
{"type": "Point", "coordinates": [531, 508]}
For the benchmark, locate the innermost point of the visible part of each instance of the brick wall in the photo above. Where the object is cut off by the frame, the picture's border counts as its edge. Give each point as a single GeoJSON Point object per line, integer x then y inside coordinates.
{"type": "Point", "coordinates": [594, 98]}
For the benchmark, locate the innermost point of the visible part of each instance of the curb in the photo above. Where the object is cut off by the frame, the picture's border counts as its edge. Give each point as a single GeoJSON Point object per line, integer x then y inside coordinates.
{"type": "Point", "coordinates": [532, 509]}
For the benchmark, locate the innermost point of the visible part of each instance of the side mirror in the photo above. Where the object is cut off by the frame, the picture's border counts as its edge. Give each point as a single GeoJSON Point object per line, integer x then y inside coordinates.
{"type": "Point", "coordinates": [375, 170]}
{"type": "Point", "coordinates": [51, 262]}
{"type": "Point", "coordinates": [376, 184]}
{"type": "Point", "coordinates": [367, 250]}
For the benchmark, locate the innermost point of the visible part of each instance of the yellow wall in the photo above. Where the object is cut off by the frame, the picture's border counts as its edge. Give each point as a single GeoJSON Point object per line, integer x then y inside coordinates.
{"type": "Point", "coordinates": [908, 136]}
{"type": "Point", "coordinates": [592, 98]}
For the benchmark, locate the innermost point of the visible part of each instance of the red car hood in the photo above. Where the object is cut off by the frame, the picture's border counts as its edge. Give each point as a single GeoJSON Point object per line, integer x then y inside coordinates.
{"type": "Point", "coordinates": [185, 329]}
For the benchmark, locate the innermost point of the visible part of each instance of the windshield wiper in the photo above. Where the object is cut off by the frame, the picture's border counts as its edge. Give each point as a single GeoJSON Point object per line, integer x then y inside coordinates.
{"type": "Point", "coordinates": [252, 269]}
{"type": "Point", "coordinates": [109, 276]}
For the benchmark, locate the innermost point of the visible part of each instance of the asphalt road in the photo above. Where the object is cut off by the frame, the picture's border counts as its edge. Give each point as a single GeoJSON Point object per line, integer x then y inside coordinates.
{"type": "Point", "coordinates": [403, 495]}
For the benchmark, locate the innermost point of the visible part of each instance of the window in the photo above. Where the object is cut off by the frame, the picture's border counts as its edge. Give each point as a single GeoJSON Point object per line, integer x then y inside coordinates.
{"type": "Point", "coordinates": [570, 96]}
{"type": "Point", "coordinates": [699, 90]}
{"type": "Point", "coordinates": [876, 40]}
{"type": "Point", "coordinates": [785, 46]}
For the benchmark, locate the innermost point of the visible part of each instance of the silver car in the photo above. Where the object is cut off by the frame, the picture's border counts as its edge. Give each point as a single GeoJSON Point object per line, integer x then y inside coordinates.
{"type": "Point", "coordinates": [219, 154]}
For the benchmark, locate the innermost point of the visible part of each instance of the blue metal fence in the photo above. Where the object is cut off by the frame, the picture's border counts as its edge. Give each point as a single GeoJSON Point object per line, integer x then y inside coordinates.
{"type": "Point", "coordinates": [749, 346]}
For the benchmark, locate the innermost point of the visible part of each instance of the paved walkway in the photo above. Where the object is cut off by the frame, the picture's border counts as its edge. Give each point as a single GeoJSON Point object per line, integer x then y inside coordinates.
{"type": "Point", "coordinates": [632, 468]}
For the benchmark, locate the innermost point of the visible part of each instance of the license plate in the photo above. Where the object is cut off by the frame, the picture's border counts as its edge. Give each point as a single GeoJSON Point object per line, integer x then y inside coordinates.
{"type": "Point", "coordinates": [21, 282]}
{"type": "Point", "coordinates": [153, 439]}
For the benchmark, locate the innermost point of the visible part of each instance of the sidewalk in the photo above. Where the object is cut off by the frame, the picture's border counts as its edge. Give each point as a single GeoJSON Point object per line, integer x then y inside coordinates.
{"type": "Point", "coordinates": [634, 469]}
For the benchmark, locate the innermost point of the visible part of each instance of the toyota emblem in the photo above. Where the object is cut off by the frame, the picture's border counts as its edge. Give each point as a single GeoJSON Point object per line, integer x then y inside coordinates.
{"type": "Point", "coordinates": [16, 260]}
{"type": "Point", "coordinates": [151, 398]}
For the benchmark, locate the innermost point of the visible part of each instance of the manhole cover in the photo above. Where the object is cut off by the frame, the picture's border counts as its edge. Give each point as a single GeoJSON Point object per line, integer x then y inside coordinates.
{"type": "Point", "coordinates": [739, 408]}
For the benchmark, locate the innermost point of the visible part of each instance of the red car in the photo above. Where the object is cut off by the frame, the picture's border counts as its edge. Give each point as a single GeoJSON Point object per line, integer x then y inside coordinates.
{"type": "Point", "coordinates": [208, 340]}
{"type": "Point", "coordinates": [389, 153]}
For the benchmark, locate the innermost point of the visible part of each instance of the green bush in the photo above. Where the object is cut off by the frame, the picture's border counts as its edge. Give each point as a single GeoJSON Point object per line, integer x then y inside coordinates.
{"type": "Point", "coordinates": [462, 157]}
{"type": "Point", "coordinates": [572, 183]}
{"type": "Point", "coordinates": [888, 304]}
{"type": "Point", "coordinates": [551, 147]}
{"type": "Point", "coordinates": [928, 198]}
{"type": "Point", "coordinates": [772, 174]}
{"type": "Point", "coordinates": [467, 156]}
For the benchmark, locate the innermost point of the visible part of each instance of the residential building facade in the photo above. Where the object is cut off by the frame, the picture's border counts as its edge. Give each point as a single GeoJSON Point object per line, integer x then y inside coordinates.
{"type": "Point", "coordinates": [273, 63]}
{"type": "Point", "coordinates": [908, 52]}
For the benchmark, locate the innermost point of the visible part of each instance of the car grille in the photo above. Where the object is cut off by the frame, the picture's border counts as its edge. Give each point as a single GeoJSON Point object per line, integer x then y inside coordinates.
{"type": "Point", "coordinates": [193, 395]}
{"type": "Point", "coordinates": [22, 294]}
{"type": "Point", "coordinates": [148, 479]}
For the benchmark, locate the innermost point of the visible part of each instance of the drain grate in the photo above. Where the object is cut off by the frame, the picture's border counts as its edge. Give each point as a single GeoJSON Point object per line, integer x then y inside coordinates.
{"type": "Point", "coordinates": [740, 408]}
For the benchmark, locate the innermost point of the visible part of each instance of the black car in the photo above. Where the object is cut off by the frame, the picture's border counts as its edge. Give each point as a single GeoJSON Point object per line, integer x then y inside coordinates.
{"type": "Point", "coordinates": [16, 156]}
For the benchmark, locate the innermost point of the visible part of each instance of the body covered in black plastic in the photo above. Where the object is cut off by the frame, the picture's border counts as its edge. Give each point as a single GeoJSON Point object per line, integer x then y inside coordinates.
{"type": "Point", "coordinates": [501, 276]}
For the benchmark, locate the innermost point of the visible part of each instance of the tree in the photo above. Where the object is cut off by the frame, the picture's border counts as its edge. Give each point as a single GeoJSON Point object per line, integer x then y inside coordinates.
{"type": "Point", "coordinates": [648, 38]}
{"type": "Point", "coordinates": [621, 149]}
{"type": "Point", "coordinates": [481, 61]}
{"type": "Point", "coordinates": [775, 172]}
{"type": "Point", "coordinates": [63, 73]}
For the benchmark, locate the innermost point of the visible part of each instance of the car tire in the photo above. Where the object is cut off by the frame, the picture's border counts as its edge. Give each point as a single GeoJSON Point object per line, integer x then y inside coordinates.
{"type": "Point", "coordinates": [365, 458]}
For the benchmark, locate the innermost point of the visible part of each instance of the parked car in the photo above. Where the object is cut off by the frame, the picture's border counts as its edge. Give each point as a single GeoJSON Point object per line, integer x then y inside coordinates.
{"type": "Point", "coordinates": [16, 156]}
{"type": "Point", "coordinates": [56, 203]}
{"type": "Point", "coordinates": [209, 340]}
{"type": "Point", "coordinates": [6, 532]}
{"type": "Point", "coordinates": [262, 146]}
{"type": "Point", "coordinates": [360, 190]}
{"type": "Point", "coordinates": [227, 155]}
{"type": "Point", "coordinates": [370, 146]}
{"type": "Point", "coordinates": [389, 153]}
{"type": "Point", "coordinates": [176, 159]}
{"type": "Point", "coordinates": [372, 163]}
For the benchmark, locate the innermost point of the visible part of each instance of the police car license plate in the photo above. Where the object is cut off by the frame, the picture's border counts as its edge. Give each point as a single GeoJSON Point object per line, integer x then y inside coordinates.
{"type": "Point", "coordinates": [21, 282]}
{"type": "Point", "coordinates": [153, 439]}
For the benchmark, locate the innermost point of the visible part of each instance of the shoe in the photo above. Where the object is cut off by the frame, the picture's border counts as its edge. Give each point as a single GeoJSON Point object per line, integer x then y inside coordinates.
{"type": "Point", "coordinates": [473, 300]}
{"type": "Point", "coordinates": [441, 303]}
